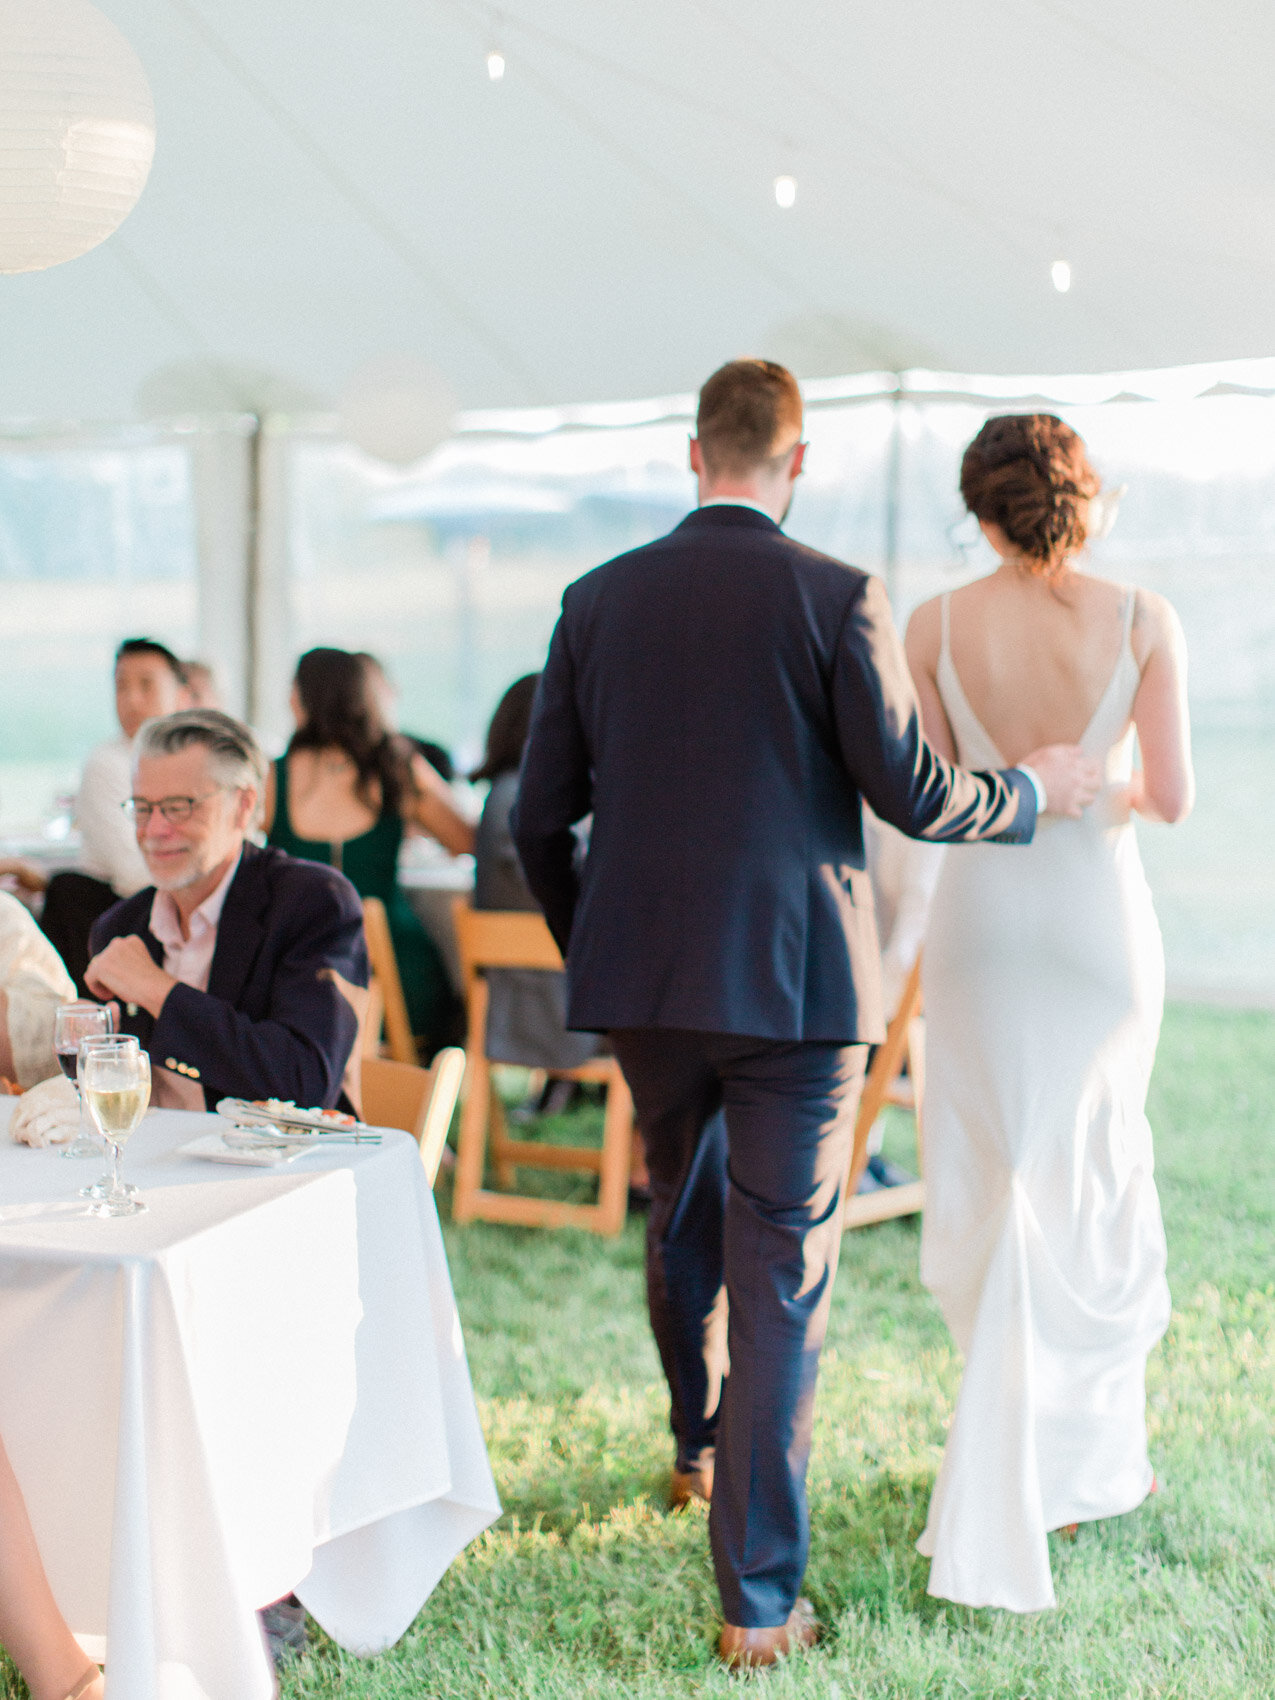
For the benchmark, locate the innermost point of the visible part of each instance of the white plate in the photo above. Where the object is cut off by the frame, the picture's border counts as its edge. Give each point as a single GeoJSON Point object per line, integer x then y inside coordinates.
{"type": "Point", "coordinates": [212, 1148]}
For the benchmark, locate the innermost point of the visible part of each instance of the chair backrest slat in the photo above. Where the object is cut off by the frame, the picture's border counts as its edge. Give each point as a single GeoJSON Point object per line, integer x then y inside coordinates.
{"type": "Point", "coordinates": [503, 938]}
{"type": "Point", "coordinates": [448, 1072]}
{"type": "Point", "coordinates": [419, 1100]}
{"type": "Point", "coordinates": [380, 950]}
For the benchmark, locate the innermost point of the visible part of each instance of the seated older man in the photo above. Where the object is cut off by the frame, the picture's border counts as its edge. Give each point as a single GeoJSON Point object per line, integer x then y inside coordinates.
{"type": "Point", "coordinates": [242, 971]}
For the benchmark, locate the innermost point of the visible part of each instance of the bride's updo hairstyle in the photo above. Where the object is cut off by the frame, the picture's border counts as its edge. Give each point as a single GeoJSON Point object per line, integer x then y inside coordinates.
{"type": "Point", "coordinates": [1029, 474]}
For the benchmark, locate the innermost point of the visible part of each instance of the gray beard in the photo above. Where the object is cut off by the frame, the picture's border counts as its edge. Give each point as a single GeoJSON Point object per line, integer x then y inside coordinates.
{"type": "Point", "coordinates": [178, 882]}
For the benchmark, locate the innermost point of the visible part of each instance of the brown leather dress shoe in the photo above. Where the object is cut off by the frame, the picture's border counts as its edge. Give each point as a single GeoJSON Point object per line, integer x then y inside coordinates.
{"type": "Point", "coordinates": [687, 1485]}
{"type": "Point", "coordinates": [753, 1649]}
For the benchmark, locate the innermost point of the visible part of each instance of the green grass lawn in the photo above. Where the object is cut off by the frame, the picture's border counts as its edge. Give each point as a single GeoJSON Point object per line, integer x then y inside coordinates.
{"type": "Point", "coordinates": [586, 1586]}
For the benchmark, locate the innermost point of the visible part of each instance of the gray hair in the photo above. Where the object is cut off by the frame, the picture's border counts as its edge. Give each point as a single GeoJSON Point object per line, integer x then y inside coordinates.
{"type": "Point", "coordinates": [233, 752]}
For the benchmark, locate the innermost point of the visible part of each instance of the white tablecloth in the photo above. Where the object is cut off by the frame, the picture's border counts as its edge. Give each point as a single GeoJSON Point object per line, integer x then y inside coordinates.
{"type": "Point", "coordinates": [260, 1385]}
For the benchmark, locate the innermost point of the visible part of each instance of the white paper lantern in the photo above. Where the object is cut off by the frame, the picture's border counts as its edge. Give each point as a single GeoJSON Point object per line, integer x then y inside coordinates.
{"type": "Point", "coordinates": [398, 410]}
{"type": "Point", "coordinates": [77, 131]}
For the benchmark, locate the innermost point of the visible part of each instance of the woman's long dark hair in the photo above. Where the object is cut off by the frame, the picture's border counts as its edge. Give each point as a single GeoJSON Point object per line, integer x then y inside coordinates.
{"type": "Point", "coordinates": [508, 730]}
{"type": "Point", "coordinates": [339, 702]}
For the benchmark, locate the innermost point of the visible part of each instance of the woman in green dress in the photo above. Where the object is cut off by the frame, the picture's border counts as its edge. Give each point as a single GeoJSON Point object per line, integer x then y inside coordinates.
{"type": "Point", "coordinates": [345, 792]}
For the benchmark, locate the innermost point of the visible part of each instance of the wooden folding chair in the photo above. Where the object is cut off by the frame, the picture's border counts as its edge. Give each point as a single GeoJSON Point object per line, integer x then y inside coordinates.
{"type": "Point", "coordinates": [419, 1100]}
{"type": "Point", "coordinates": [492, 938]}
{"type": "Point", "coordinates": [386, 990]}
{"type": "Point", "coordinates": [905, 1037]}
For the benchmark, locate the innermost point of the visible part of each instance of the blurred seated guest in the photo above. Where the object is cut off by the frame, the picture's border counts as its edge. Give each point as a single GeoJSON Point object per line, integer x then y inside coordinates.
{"type": "Point", "coordinates": [242, 971]}
{"type": "Point", "coordinates": [149, 680]}
{"type": "Point", "coordinates": [527, 1008]}
{"type": "Point", "coordinates": [345, 792]}
{"type": "Point", "coordinates": [32, 1629]}
{"type": "Point", "coordinates": [47, 1113]}
{"type": "Point", "coordinates": [33, 983]}
{"type": "Point", "coordinates": [201, 685]}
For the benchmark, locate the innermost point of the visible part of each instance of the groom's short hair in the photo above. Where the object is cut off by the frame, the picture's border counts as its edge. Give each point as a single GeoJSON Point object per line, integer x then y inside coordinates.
{"type": "Point", "coordinates": [749, 413]}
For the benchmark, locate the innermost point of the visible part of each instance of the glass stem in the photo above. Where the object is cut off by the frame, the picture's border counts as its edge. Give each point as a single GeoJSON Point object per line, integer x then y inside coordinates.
{"type": "Point", "coordinates": [115, 1169]}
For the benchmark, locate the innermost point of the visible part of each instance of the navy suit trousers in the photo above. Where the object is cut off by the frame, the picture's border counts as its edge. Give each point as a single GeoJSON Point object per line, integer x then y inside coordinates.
{"type": "Point", "coordinates": [748, 1142]}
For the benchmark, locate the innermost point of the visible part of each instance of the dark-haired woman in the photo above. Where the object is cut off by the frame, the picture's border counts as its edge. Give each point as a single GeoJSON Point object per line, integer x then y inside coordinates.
{"type": "Point", "coordinates": [345, 792]}
{"type": "Point", "coordinates": [1044, 981]}
{"type": "Point", "coordinates": [526, 1017]}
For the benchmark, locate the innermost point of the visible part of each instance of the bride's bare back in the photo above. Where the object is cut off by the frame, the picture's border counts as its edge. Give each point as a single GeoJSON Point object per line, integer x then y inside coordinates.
{"type": "Point", "coordinates": [1034, 661]}
{"type": "Point", "coordinates": [1035, 657]}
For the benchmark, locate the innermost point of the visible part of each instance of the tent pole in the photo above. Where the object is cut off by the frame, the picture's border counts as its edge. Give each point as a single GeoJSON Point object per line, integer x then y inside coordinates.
{"type": "Point", "coordinates": [252, 531]}
{"type": "Point", "coordinates": [269, 616]}
{"type": "Point", "coordinates": [893, 491]}
{"type": "Point", "coordinates": [222, 461]}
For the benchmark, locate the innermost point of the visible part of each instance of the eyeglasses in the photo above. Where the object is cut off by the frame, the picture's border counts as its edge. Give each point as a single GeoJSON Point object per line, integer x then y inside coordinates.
{"type": "Point", "coordinates": [175, 810]}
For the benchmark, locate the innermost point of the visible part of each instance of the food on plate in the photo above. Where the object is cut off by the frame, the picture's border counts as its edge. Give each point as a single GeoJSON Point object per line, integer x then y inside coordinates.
{"type": "Point", "coordinates": [283, 1113]}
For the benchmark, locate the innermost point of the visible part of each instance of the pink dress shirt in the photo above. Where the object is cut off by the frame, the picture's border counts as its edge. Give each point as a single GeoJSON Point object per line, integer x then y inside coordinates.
{"type": "Point", "coordinates": [189, 960]}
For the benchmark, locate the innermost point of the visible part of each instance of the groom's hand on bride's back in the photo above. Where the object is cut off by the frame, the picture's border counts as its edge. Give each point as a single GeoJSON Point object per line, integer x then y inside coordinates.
{"type": "Point", "coordinates": [1071, 778]}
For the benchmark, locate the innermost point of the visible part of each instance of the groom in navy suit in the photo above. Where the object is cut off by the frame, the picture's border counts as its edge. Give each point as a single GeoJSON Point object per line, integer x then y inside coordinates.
{"type": "Point", "coordinates": [720, 701]}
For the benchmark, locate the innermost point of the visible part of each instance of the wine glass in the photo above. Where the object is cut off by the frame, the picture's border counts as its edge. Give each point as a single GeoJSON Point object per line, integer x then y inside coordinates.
{"type": "Point", "coordinates": [72, 1023]}
{"type": "Point", "coordinates": [117, 1042]}
{"type": "Point", "coordinates": [116, 1083]}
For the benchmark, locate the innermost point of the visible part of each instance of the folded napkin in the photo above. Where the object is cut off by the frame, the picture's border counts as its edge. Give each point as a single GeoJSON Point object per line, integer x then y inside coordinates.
{"type": "Point", "coordinates": [49, 1114]}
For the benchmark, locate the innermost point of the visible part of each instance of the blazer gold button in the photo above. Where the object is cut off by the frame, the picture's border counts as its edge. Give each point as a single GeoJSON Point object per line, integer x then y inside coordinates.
{"type": "Point", "coordinates": [193, 1073]}
{"type": "Point", "coordinates": [170, 1062]}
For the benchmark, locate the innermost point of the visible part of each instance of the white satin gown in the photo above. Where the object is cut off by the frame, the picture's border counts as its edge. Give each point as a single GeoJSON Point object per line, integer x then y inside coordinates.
{"type": "Point", "coordinates": [1042, 1239]}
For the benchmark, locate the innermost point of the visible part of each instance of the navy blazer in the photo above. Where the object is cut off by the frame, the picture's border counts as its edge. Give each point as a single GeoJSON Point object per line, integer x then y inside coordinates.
{"type": "Point", "coordinates": [274, 1022]}
{"type": "Point", "coordinates": [721, 700]}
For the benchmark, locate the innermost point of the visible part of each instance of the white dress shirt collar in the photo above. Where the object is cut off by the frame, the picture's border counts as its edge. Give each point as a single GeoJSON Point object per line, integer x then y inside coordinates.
{"type": "Point", "coordinates": [189, 959]}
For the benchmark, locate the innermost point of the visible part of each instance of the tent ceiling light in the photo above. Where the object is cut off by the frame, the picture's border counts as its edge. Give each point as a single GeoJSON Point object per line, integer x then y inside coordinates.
{"type": "Point", "coordinates": [785, 190]}
{"type": "Point", "coordinates": [495, 64]}
{"type": "Point", "coordinates": [77, 131]}
{"type": "Point", "coordinates": [1060, 272]}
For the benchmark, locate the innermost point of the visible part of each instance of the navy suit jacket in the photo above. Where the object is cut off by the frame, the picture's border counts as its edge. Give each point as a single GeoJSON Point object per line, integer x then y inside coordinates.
{"type": "Point", "coordinates": [721, 700]}
{"type": "Point", "coordinates": [274, 1022]}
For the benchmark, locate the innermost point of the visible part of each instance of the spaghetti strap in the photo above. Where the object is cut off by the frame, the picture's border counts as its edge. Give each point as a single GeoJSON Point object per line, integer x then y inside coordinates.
{"type": "Point", "coordinates": [1130, 605]}
{"type": "Point", "coordinates": [945, 644]}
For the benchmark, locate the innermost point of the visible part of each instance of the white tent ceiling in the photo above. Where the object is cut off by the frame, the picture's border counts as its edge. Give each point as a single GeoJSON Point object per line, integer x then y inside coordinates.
{"type": "Point", "coordinates": [335, 182]}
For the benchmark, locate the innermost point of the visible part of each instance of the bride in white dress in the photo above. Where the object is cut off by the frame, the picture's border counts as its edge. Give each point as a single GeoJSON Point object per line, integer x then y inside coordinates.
{"type": "Point", "coordinates": [1044, 985]}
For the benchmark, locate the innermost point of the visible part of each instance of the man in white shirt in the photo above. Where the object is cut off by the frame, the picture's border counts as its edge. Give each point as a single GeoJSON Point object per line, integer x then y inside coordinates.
{"type": "Point", "coordinates": [149, 681]}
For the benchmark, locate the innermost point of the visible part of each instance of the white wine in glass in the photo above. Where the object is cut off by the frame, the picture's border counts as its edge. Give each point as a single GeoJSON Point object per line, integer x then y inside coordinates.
{"type": "Point", "coordinates": [117, 1088]}
{"type": "Point", "coordinates": [116, 1043]}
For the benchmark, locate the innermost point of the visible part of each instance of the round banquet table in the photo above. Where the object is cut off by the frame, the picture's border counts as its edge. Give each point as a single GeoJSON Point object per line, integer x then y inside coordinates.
{"type": "Point", "coordinates": [258, 1386]}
